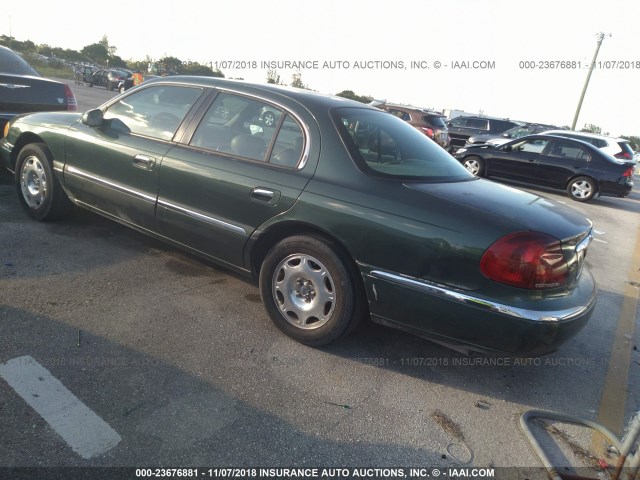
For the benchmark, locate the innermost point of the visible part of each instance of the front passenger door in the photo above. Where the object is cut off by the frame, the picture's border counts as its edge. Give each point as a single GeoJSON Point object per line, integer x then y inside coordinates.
{"type": "Point", "coordinates": [114, 168]}
{"type": "Point", "coordinates": [517, 160]}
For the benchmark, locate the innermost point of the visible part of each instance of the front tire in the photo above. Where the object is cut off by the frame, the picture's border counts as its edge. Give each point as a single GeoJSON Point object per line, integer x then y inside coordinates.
{"type": "Point", "coordinates": [309, 292]}
{"type": "Point", "coordinates": [581, 189]}
{"type": "Point", "coordinates": [39, 191]}
{"type": "Point", "coordinates": [475, 165]}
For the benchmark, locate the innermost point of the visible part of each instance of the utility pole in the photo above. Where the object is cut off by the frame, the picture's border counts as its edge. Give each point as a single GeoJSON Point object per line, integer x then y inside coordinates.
{"type": "Point", "coordinates": [600, 37]}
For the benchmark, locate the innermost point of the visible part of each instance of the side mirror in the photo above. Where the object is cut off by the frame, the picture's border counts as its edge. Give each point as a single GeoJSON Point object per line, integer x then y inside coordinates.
{"type": "Point", "coordinates": [506, 148]}
{"type": "Point", "coordinates": [93, 118]}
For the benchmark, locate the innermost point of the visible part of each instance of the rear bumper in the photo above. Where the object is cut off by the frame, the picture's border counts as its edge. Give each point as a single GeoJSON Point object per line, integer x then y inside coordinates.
{"type": "Point", "coordinates": [522, 327]}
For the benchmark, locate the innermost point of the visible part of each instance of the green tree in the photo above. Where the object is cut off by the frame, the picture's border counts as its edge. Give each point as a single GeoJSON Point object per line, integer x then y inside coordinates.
{"type": "Point", "coordinates": [96, 52]}
{"type": "Point", "coordinates": [358, 98]}
{"type": "Point", "coordinates": [273, 77]}
{"type": "Point", "coordinates": [195, 68]}
{"type": "Point", "coordinates": [296, 81]}
{"type": "Point", "coordinates": [170, 65]}
{"type": "Point", "coordinates": [591, 128]}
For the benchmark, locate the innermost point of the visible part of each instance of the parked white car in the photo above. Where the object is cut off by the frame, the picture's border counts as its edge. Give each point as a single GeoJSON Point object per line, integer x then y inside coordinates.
{"type": "Point", "coordinates": [616, 147]}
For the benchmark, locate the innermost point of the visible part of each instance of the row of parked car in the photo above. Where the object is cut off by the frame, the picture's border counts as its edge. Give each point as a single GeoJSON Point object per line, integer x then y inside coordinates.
{"type": "Point", "coordinates": [119, 79]}
{"type": "Point", "coordinates": [530, 153]}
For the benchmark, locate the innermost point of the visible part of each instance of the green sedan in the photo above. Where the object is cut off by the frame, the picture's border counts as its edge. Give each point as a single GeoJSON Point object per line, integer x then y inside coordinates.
{"type": "Point", "coordinates": [342, 211]}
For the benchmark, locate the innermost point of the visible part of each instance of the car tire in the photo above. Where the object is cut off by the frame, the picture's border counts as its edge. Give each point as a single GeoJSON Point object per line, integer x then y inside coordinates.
{"type": "Point", "coordinates": [581, 189]}
{"type": "Point", "coordinates": [39, 191]}
{"type": "Point", "coordinates": [309, 291]}
{"type": "Point", "coordinates": [121, 89]}
{"type": "Point", "coordinates": [475, 165]}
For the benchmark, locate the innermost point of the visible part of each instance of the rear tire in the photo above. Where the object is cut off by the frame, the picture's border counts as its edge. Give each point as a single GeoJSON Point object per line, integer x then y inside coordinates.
{"type": "Point", "coordinates": [582, 189]}
{"type": "Point", "coordinates": [39, 191]}
{"type": "Point", "coordinates": [309, 291]}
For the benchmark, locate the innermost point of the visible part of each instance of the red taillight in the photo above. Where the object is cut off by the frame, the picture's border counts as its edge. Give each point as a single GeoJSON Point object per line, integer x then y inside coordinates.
{"type": "Point", "coordinates": [427, 131]}
{"type": "Point", "coordinates": [625, 155]}
{"type": "Point", "coordinates": [529, 260]}
{"type": "Point", "coordinates": [72, 104]}
{"type": "Point", "coordinates": [628, 172]}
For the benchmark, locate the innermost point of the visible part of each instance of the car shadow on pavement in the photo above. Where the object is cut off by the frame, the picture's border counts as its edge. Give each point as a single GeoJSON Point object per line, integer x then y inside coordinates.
{"type": "Point", "coordinates": [177, 413]}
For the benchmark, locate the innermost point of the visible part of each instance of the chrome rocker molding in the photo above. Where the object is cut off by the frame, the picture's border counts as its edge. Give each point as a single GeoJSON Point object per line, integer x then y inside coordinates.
{"type": "Point", "coordinates": [149, 198]}
{"type": "Point", "coordinates": [525, 314]}
{"type": "Point", "coordinates": [107, 183]}
{"type": "Point", "coordinates": [204, 218]}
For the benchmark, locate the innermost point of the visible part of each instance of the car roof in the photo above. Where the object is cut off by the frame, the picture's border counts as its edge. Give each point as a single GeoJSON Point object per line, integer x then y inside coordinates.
{"type": "Point", "coordinates": [547, 136]}
{"type": "Point", "coordinates": [585, 134]}
{"type": "Point", "coordinates": [308, 98]}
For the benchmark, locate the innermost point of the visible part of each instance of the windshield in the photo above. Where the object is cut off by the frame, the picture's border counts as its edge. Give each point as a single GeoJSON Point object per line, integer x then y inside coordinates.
{"type": "Point", "coordinates": [385, 146]}
{"type": "Point", "coordinates": [11, 62]}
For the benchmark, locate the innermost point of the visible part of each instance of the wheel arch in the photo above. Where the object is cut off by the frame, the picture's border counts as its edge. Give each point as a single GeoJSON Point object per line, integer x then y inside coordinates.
{"type": "Point", "coordinates": [256, 253]}
{"type": "Point", "coordinates": [24, 139]}
{"type": "Point", "coordinates": [261, 245]}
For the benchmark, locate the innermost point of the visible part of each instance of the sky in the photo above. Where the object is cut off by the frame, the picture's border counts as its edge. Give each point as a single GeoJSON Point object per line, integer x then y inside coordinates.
{"type": "Point", "coordinates": [494, 56]}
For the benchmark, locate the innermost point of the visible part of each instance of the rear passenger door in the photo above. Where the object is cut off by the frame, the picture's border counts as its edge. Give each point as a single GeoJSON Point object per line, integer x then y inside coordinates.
{"type": "Point", "coordinates": [563, 159]}
{"type": "Point", "coordinates": [233, 173]}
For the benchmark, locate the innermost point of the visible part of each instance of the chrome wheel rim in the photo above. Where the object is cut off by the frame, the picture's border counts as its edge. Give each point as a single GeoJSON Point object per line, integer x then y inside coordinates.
{"type": "Point", "coordinates": [472, 165]}
{"type": "Point", "coordinates": [269, 119]}
{"type": "Point", "coordinates": [33, 182]}
{"type": "Point", "coordinates": [581, 189]}
{"type": "Point", "coordinates": [304, 291]}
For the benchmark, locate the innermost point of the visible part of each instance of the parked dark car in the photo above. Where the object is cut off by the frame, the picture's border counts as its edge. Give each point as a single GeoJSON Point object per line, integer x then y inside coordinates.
{"type": "Point", "coordinates": [341, 211]}
{"type": "Point", "coordinates": [430, 123]}
{"type": "Point", "coordinates": [110, 79]}
{"type": "Point", "coordinates": [461, 128]}
{"type": "Point", "coordinates": [22, 89]}
{"type": "Point", "coordinates": [83, 74]}
{"type": "Point", "coordinates": [550, 161]}
{"type": "Point", "coordinates": [512, 134]}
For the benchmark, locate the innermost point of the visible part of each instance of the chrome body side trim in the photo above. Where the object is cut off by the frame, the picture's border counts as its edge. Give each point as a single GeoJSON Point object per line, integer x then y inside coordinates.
{"type": "Point", "coordinates": [457, 296]}
{"type": "Point", "coordinates": [107, 183]}
{"type": "Point", "coordinates": [204, 218]}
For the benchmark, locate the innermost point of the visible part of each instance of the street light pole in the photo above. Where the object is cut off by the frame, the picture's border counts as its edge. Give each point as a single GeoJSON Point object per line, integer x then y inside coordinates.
{"type": "Point", "coordinates": [586, 83]}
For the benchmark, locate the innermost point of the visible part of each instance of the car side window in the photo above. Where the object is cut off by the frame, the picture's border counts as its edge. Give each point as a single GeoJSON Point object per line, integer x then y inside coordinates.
{"type": "Point", "coordinates": [239, 126]}
{"type": "Point", "coordinates": [568, 150]}
{"type": "Point", "coordinates": [477, 123]}
{"type": "Point", "coordinates": [459, 122]}
{"type": "Point", "coordinates": [530, 146]}
{"type": "Point", "coordinates": [156, 111]}
{"type": "Point", "coordinates": [289, 144]}
{"type": "Point", "coordinates": [400, 114]}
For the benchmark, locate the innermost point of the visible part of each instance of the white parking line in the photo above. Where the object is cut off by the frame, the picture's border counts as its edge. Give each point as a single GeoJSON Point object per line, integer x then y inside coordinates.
{"type": "Point", "coordinates": [85, 432]}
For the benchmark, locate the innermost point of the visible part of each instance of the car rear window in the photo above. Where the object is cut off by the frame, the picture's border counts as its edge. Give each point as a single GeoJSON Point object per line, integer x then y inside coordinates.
{"type": "Point", "coordinates": [11, 62]}
{"type": "Point", "coordinates": [385, 146]}
{"type": "Point", "coordinates": [434, 120]}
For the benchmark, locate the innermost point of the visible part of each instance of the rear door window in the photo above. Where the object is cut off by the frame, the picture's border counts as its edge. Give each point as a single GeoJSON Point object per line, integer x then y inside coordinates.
{"type": "Point", "coordinates": [249, 128]}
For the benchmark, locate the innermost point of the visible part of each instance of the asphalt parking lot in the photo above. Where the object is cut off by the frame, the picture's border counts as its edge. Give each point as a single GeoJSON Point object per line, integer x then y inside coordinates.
{"type": "Point", "coordinates": [178, 358]}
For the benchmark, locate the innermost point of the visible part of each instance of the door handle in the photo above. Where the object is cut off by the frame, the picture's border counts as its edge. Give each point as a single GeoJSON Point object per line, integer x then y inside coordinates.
{"type": "Point", "coordinates": [144, 161]}
{"type": "Point", "coordinates": [265, 195]}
